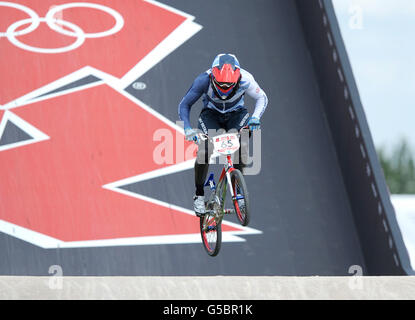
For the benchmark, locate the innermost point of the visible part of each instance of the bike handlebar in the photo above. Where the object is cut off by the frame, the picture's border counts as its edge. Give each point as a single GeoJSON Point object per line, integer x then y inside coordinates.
{"type": "Point", "coordinates": [204, 136]}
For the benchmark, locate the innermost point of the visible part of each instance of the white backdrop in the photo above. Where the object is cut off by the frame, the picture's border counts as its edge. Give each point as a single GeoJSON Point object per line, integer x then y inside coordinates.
{"type": "Point", "coordinates": [405, 213]}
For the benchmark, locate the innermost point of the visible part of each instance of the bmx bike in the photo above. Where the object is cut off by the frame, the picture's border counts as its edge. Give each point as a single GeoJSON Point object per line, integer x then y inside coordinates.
{"type": "Point", "coordinates": [230, 179]}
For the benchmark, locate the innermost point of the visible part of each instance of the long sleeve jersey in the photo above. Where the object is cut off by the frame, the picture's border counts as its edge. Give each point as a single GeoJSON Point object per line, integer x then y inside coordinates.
{"type": "Point", "coordinates": [202, 87]}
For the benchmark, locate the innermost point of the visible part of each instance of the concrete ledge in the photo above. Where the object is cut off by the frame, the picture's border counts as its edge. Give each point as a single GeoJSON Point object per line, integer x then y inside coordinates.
{"type": "Point", "coordinates": [203, 288]}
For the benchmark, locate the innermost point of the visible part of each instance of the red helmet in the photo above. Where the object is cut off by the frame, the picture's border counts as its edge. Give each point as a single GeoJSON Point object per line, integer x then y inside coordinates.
{"type": "Point", "coordinates": [225, 75]}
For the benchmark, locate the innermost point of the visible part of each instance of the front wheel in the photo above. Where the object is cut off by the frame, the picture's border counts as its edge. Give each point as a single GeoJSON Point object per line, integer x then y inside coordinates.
{"type": "Point", "coordinates": [241, 198]}
{"type": "Point", "coordinates": [211, 232]}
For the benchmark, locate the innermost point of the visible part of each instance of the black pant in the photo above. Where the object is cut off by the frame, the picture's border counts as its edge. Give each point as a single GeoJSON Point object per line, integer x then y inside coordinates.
{"type": "Point", "coordinates": [212, 120]}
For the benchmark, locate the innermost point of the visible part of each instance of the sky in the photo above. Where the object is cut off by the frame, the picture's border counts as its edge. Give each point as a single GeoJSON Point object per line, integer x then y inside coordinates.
{"type": "Point", "coordinates": [379, 36]}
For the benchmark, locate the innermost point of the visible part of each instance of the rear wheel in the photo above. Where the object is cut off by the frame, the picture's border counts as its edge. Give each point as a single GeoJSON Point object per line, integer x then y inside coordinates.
{"type": "Point", "coordinates": [211, 233]}
{"type": "Point", "coordinates": [241, 199]}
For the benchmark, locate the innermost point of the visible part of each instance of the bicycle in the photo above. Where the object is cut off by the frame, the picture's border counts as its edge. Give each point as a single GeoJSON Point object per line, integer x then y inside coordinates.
{"type": "Point", "coordinates": [211, 221]}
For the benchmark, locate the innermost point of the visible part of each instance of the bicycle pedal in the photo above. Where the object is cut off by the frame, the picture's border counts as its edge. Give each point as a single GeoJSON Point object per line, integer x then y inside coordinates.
{"type": "Point", "coordinates": [229, 211]}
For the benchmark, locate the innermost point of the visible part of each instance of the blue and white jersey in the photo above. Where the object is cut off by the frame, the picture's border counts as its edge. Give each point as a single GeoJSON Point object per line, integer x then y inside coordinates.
{"type": "Point", "coordinates": [202, 87]}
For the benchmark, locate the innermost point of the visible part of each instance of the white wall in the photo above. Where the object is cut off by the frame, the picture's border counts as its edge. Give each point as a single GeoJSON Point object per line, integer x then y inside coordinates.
{"type": "Point", "coordinates": [405, 213]}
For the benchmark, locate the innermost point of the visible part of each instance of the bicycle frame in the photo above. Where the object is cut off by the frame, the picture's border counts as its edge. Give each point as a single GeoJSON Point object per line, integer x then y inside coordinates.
{"type": "Point", "coordinates": [218, 196]}
{"type": "Point", "coordinates": [227, 169]}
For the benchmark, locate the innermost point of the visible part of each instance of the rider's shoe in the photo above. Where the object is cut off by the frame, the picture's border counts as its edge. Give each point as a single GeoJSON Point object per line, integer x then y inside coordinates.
{"type": "Point", "coordinates": [199, 205]}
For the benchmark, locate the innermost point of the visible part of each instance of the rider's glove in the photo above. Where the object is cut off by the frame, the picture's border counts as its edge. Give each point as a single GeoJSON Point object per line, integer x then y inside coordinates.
{"type": "Point", "coordinates": [191, 134]}
{"type": "Point", "coordinates": [254, 124]}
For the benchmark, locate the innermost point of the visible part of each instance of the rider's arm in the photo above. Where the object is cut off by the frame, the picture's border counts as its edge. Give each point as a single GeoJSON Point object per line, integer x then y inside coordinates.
{"type": "Point", "coordinates": [199, 86]}
{"type": "Point", "coordinates": [255, 91]}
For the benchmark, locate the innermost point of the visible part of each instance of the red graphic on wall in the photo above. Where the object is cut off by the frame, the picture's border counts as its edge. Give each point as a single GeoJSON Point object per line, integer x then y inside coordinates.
{"type": "Point", "coordinates": [109, 35]}
{"type": "Point", "coordinates": [97, 136]}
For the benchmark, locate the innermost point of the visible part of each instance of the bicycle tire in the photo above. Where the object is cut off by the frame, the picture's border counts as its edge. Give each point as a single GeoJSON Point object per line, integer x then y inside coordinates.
{"type": "Point", "coordinates": [238, 182]}
{"type": "Point", "coordinates": [212, 240]}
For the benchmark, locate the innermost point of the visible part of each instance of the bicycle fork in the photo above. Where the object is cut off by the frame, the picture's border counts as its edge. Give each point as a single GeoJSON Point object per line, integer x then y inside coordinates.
{"type": "Point", "coordinates": [218, 195]}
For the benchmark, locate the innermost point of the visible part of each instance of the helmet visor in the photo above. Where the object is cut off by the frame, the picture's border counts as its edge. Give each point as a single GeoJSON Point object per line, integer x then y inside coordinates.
{"type": "Point", "coordinates": [224, 85]}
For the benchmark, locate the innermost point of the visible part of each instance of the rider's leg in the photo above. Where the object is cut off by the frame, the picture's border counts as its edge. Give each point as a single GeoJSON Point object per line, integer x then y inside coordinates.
{"type": "Point", "coordinates": [236, 121]}
{"type": "Point", "coordinates": [201, 168]}
{"type": "Point", "coordinates": [208, 120]}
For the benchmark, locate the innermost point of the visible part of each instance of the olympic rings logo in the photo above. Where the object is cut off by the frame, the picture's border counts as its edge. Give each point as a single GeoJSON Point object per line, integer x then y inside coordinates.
{"type": "Point", "coordinates": [56, 24]}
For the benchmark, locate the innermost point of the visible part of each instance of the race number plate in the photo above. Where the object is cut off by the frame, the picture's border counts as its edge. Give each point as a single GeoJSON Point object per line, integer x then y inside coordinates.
{"type": "Point", "coordinates": [226, 144]}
